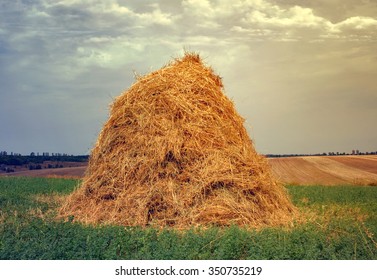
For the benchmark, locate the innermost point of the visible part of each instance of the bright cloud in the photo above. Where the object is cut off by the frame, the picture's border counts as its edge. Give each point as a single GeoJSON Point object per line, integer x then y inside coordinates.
{"type": "Point", "coordinates": [293, 17]}
{"type": "Point", "coordinates": [357, 23]}
{"type": "Point", "coordinates": [258, 17]}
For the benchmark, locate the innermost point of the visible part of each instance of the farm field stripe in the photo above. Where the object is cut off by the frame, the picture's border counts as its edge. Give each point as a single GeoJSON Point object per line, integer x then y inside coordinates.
{"type": "Point", "coordinates": [361, 163]}
{"type": "Point", "coordinates": [300, 171]}
{"type": "Point", "coordinates": [366, 157]}
{"type": "Point", "coordinates": [339, 169]}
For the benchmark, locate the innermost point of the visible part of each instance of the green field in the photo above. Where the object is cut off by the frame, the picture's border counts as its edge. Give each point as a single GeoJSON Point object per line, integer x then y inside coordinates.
{"type": "Point", "coordinates": [340, 223]}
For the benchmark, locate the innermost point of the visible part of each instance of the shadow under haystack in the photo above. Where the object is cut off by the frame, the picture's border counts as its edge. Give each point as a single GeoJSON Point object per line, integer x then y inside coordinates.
{"type": "Point", "coordinates": [174, 152]}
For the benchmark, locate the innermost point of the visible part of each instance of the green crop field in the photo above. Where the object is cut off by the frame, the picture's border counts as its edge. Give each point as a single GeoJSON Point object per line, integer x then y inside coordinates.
{"type": "Point", "coordinates": [337, 223]}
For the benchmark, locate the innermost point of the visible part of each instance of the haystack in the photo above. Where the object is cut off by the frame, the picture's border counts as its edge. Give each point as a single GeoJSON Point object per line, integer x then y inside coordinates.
{"type": "Point", "coordinates": [174, 152]}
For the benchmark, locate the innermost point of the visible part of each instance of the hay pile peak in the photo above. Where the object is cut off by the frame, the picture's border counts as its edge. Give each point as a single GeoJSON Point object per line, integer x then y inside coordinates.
{"type": "Point", "coordinates": [174, 152]}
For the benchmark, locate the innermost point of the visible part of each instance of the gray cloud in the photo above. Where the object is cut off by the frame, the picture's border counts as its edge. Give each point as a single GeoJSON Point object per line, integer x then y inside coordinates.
{"type": "Point", "coordinates": [301, 72]}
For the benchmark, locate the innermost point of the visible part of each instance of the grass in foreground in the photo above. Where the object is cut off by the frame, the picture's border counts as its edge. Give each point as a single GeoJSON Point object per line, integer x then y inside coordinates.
{"type": "Point", "coordinates": [341, 224]}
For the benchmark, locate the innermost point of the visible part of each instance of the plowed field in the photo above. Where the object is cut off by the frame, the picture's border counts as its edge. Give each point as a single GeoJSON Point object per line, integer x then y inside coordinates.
{"type": "Point", "coordinates": [335, 170]}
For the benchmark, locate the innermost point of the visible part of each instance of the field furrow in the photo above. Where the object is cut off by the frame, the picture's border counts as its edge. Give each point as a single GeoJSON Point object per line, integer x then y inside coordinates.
{"type": "Point", "coordinates": [346, 172]}
{"type": "Point", "coordinates": [297, 170]}
{"type": "Point", "coordinates": [322, 170]}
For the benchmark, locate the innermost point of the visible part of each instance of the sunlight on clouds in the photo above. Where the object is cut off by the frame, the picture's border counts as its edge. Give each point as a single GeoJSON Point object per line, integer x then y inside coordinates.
{"type": "Point", "coordinates": [294, 17]}
{"type": "Point", "coordinates": [356, 23]}
{"type": "Point", "coordinates": [260, 18]}
{"type": "Point", "coordinates": [298, 16]}
{"type": "Point", "coordinates": [277, 17]}
{"type": "Point", "coordinates": [154, 17]}
{"type": "Point", "coordinates": [201, 8]}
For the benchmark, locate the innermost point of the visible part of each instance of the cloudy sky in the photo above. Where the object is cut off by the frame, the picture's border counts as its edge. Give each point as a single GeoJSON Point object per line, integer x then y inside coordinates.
{"type": "Point", "coordinates": [302, 73]}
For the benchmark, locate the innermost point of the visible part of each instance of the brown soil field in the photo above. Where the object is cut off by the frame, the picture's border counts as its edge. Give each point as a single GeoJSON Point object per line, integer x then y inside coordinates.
{"type": "Point", "coordinates": [311, 170]}
{"type": "Point", "coordinates": [330, 170]}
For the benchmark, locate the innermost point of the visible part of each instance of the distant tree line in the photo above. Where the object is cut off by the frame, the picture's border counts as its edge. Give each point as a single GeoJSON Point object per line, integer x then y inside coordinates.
{"type": "Point", "coordinates": [16, 159]}
{"type": "Point", "coordinates": [354, 152]}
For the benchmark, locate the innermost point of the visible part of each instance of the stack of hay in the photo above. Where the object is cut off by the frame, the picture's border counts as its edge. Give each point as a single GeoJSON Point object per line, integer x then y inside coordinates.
{"type": "Point", "coordinates": [174, 152]}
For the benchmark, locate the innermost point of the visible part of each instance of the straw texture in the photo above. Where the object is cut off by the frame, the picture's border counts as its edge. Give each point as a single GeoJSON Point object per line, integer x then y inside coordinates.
{"type": "Point", "coordinates": [174, 152]}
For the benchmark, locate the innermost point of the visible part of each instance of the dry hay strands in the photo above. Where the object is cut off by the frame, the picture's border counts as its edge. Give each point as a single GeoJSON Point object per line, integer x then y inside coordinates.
{"type": "Point", "coordinates": [174, 152]}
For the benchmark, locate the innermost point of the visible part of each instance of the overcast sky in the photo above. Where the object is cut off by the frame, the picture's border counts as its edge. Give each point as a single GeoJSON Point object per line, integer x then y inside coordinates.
{"type": "Point", "coordinates": [302, 73]}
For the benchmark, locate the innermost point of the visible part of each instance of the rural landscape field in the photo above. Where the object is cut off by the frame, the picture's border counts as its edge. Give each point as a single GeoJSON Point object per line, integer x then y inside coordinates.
{"type": "Point", "coordinates": [188, 130]}
{"type": "Point", "coordinates": [326, 170]}
{"type": "Point", "coordinates": [300, 170]}
{"type": "Point", "coordinates": [336, 198]}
